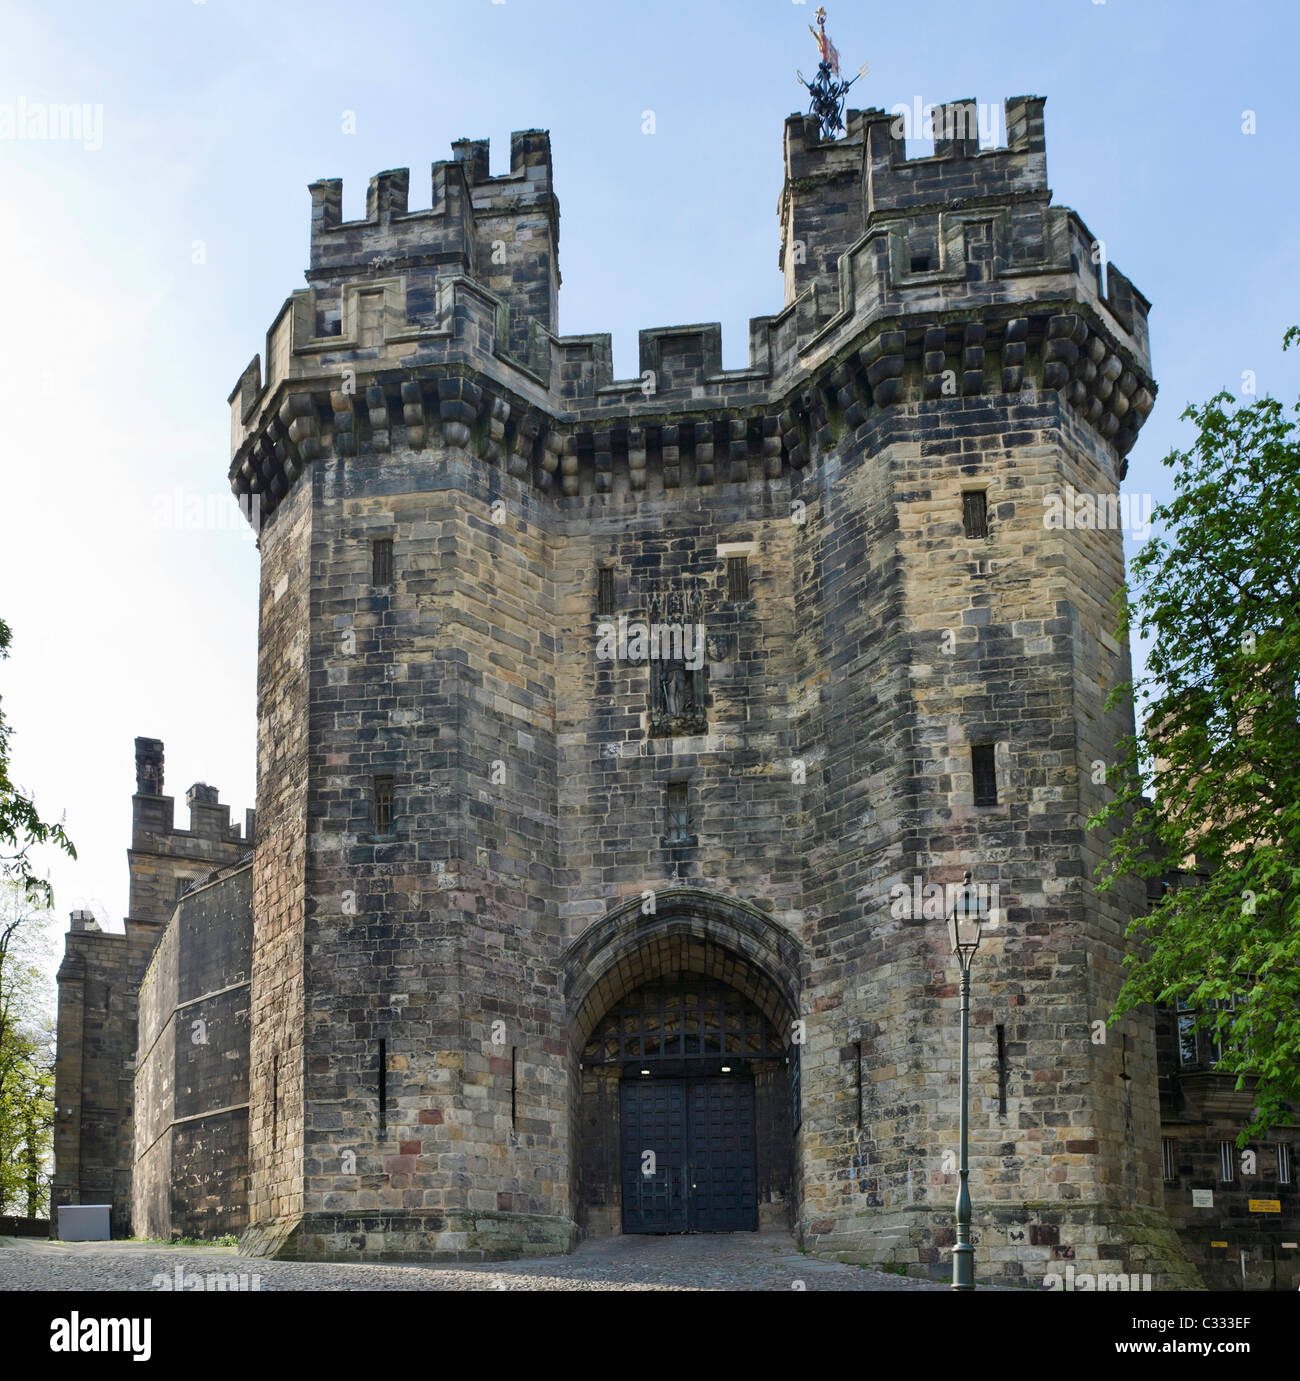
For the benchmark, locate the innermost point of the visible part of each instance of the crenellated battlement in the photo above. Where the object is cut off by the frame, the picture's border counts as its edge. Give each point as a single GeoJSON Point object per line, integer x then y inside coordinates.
{"type": "Point", "coordinates": [907, 280]}
{"type": "Point", "coordinates": [502, 232]}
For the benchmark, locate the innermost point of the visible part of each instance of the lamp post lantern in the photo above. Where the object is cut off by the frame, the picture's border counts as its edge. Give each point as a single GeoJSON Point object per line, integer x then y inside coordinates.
{"type": "Point", "coordinates": [964, 924]}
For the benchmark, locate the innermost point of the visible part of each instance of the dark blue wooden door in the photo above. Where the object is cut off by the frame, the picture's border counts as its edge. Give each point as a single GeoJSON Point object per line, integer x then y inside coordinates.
{"type": "Point", "coordinates": [687, 1155]}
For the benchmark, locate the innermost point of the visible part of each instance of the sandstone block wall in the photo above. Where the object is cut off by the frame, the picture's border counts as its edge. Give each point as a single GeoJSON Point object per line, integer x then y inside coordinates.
{"type": "Point", "coordinates": [99, 980]}
{"type": "Point", "coordinates": [422, 990]}
{"type": "Point", "coordinates": [191, 1081]}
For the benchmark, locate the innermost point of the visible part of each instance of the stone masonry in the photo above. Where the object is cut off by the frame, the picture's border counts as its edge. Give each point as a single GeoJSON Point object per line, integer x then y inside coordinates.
{"type": "Point", "coordinates": [99, 982]}
{"type": "Point", "coordinates": [479, 831]}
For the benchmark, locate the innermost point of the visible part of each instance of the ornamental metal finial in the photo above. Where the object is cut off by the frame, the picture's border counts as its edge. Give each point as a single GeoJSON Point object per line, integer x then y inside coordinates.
{"type": "Point", "coordinates": [827, 90]}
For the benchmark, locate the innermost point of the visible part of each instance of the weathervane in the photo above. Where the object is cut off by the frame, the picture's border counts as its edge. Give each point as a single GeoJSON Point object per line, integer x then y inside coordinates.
{"type": "Point", "coordinates": [827, 90]}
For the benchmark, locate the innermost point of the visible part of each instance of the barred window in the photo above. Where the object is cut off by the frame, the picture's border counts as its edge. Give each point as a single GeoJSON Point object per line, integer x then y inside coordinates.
{"type": "Point", "coordinates": [1283, 1163]}
{"type": "Point", "coordinates": [678, 813]}
{"type": "Point", "coordinates": [383, 805]}
{"type": "Point", "coordinates": [984, 770]}
{"type": "Point", "coordinates": [974, 513]}
{"type": "Point", "coordinates": [1167, 1158]}
{"type": "Point", "coordinates": [381, 569]}
{"type": "Point", "coordinates": [737, 577]}
{"type": "Point", "coordinates": [605, 590]}
{"type": "Point", "coordinates": [1227, 1162]}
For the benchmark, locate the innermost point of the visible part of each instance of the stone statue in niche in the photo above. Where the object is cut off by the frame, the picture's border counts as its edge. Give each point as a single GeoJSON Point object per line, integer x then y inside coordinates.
{"type": "Point", "coordinates": [677, 653]}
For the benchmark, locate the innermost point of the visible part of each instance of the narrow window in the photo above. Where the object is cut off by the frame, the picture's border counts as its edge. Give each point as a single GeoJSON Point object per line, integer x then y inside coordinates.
{"type": "Point", "coordinates": [514, 1083]}
{"type": "Point", "coordinates": [275, 1099]}
{"type": "Point", "coordinates": [985, 773]}
{"type": "Point", "coordinates": [1186, 1034]}
{"type": "Point", "coordinates": [605, 590]}
{"type": "Point", "coordinates": [1227, 1162]}
{"type": "Point", "coordinates": [1167, 1158]}
{"type": "Point", "coordinates": [1283, 1163]}
{"type": "Point", "coordinates": [678, 813]}
{"type": "Point", "coordinates": [383, 1087]}
{"type": "Point", "coordinates": [383, 805]}
{"type": "Point", "coordinates": [859, 1083]}
{"type": "Point", "coordinates": [737, 577]}
{"type": "Point", "coordinates": [974, 513]}
{"type": "Point", "coordinates": [1002, 1069]}
{"type": "Point", "coordinates": [920, 263]}
{"type": "Point", "coordinates": [382, 562]}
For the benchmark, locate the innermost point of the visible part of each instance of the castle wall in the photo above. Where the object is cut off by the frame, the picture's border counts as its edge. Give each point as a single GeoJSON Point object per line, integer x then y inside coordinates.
{"type": "Point", "coordinates": [945, 329]}
{"type": "Point", "coordinates": [276, 1055]}
{"type": "Point", "coordinates": [99, 980]}
{"type": "Point", "coordinates": [191, 1082]}
{"type": "Point", "coordinates": [1002, 640]}
{"type": "Point", "coordinates": [96, 1044]}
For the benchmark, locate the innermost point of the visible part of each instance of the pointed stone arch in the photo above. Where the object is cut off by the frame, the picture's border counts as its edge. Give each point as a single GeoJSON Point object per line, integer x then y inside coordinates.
{"type": "Point", "coordinates": [691, 930]}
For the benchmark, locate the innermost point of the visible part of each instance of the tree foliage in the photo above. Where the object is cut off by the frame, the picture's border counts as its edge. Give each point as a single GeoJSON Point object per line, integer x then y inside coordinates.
{"type": "Point", "coordinates": [26, 1054]}
{"type": "Point", "coordinates": [21, 826]}
{"type": "Point", "coordinates": [1210, 784]}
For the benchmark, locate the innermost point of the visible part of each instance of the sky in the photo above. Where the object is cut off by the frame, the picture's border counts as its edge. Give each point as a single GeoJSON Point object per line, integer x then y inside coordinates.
{"type": "Point", "coordinates": [145, 259]}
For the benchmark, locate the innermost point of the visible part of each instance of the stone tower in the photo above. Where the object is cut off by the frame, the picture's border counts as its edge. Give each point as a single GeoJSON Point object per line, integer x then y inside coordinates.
{"type": "Point", "coordinates": [99, 982]}
{"type": "Point", "coordinates": [533, 895]}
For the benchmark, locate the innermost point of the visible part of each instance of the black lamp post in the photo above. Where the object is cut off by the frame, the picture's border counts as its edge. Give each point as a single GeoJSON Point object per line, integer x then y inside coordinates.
{"type": "Point", "coordinates": [964, 925]}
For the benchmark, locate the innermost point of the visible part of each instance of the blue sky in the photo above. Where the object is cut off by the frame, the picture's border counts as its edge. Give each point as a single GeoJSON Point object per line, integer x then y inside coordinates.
{"type": "Point", "coordinates": [124, 336]}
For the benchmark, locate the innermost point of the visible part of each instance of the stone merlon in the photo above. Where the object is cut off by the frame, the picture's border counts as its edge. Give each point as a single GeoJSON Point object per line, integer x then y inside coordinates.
{"type": "Point", "coordinates": [905, 279]}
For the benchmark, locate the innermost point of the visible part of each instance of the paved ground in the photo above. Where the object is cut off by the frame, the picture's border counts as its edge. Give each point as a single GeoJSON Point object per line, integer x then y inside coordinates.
{"type": "Point", "coordinates": [710, 1261]}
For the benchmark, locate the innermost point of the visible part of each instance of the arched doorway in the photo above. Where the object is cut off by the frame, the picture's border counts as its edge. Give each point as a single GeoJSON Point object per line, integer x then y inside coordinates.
{"type": "Point", "coordinates": [685, 1067]}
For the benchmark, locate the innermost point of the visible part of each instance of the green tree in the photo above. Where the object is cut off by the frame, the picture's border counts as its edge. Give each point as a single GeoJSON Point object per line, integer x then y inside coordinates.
{"type": "Point", "coordinates": [1210, 784]}
{"type": "Point", "coordinates": [21, 826]}
{"type": "Point", "coordinates": [26, 1053]}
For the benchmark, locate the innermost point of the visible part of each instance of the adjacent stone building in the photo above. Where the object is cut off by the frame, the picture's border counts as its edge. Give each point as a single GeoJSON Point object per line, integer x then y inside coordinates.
{"type": "Point", "coordinates": [99, 989]}
{"type": "Point", "coordinates": [621, 742]}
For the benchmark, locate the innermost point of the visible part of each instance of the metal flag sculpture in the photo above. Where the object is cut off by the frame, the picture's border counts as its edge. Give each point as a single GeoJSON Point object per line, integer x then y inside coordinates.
{"type": "Point", "coordinates": [827, 90]}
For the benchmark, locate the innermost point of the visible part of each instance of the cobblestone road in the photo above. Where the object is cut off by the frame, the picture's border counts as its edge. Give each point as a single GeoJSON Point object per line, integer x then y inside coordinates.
{"type": "Point", "coordinates": [713, 1261]}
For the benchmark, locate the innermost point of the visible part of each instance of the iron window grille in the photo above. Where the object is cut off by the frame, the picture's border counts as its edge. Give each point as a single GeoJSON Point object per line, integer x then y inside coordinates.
{"type": "Point", "coordinates": [1227, 1162]}
{"type": "Point", "coordinates": [737, 577]}
{"type": "Point", "coordinates": [683, 1018]}
{"type": "Point", "coordinates": [679, 813]}
{"type": "Point", "coordinates": [1283, 1163]}
{"type": "Point", "coordinates": [984, 771]}
{"type": "Point", "coordinates": [605, 590]}
{"type": "Point", "coordinates": [381, 565]}
{"type": "Point", "coordinates": [383, 805]}
{"type": "Point", "coordinates": [1167, 1158]}
{"type": "Point", "coordinates": [975, 513]}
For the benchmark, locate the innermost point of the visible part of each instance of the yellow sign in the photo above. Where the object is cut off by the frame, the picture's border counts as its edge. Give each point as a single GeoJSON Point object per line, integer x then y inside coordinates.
{"type": "Point", "coordinates": [1218, 1244]}
{"type": "Point", "coordinates": [1265, 1205]}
